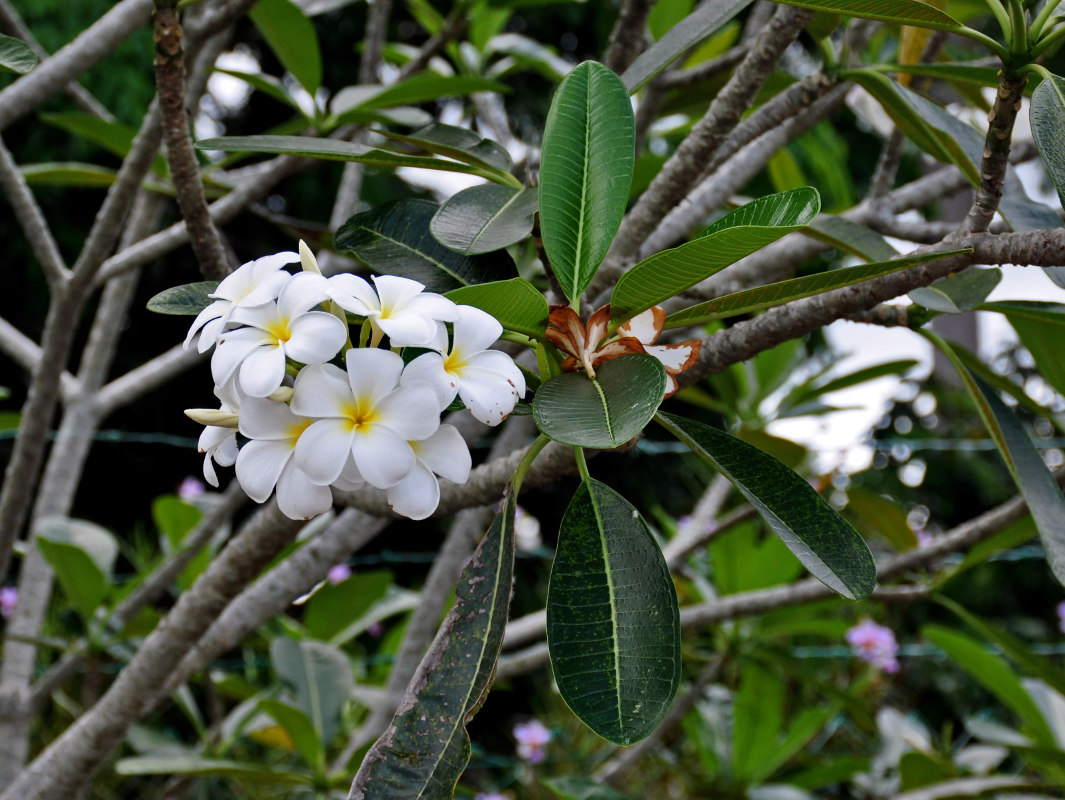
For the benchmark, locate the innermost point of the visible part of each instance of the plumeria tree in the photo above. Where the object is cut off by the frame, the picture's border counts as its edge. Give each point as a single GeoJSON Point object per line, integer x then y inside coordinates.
{"type": "Point", "coordinates": [642, 258]}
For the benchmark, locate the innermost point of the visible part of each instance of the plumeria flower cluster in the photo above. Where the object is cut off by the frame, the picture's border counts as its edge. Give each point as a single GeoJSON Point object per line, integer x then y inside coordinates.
{"type": "Point", "coordinates": [304, 410]}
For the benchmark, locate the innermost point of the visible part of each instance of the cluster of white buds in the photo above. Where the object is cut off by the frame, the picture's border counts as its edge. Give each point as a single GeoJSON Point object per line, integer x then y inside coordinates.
{"type": "Point", "coordinates": [318, 412]}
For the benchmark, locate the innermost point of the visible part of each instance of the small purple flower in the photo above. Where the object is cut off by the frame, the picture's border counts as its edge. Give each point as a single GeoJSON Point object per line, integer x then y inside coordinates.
{"type": "Point", "coordinates": [191, 488]}
{"type": "Point", "coordinates": [376, 630]}
{"type": "Point", "coordinates": [1061, 616]}
{"type": "Point", "coordinates": [338, 573]}
{"type": "Point", "coordinates": [924, 538]}
{"type": "Point", "coordinates": [532, 738]}
{"type": "Point", "coordinates": [874, 644]}
{"type": "Point", "coordinates": [8, 600]}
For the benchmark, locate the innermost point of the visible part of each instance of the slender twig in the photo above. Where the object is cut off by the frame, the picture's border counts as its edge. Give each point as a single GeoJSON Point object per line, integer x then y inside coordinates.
{"type": "Point", "coordinates": [629, 34]}
{"type": "Point", "coordinates": [184, 167]}
{"type": "Point", "coordinates": [680, 79]}
{"type": "Point", "coordinates": [25, 352]}
{"type": "Point", "coordinates": [31, 219]}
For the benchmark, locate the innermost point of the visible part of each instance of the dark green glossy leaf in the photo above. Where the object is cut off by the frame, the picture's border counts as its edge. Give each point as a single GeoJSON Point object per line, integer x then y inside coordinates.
{"type": "Point", "coordinates": [603, 412]}
{"type": "Point", "coordinates": [461, 144]}
{"type": "Point", "coordinates": [426, 748]}
{"type": "Point", "coordinates": [395, 238]}
{"type": "Point", "coordinates": [613, 625]}
{"type": "Point", "coordinates": [292, 38]}
{"type": "Point", "coordinates": [175, 519]}
{"type": "Point", "coordinates": [114, 136]}
{"type": "Point", "coordinates": [737, 234]}
{"type": "Point", "coordinates": [202, 766]}
{"type": "Point", "coordinates": [776, 294]}
{"type": "Point", "coordinates": [484, 218]}
{"type": "Point", "coordinates": [819, 537]}
{"type": "Point", "coordinates": [319, 675]}
{"type": "Point", "coordinates": [572, 787]}
{"type": "Point", "coordinates": [187, 299]}
{"type": "Point", "coordinates": [1037, 486]}
{"type": "Point", "coordinates": [16, 56]}
{"type": "Point", "coordinates": [585, 173]}
{"type": "Point", "coordinates": [82, 555]}
{"type": "Point", "coordinates": [701, 23]}
{"type": "Point", "coordinates": [428, 86]}
{"type": "Point", "coordinates": [757, 720]}
{"type": "Point", "coordinates": [1047, 115]}
{"type": "Point", "coordinates": [333, 150]}
{"type": "Point", "coordinates": [517, 304]}
{"type": "Point", "coordinates": [1035, 310]}
{"type": "Point", "coordinates": [299, 728]}
{"type": "Point", "coordinates": [960, 73]}
{"type": "Point", "coordinates": [959, 293]}
{"type": "Point", "coordinates": [906, 12]}
{"type": "Point", "coordinates": [994, 674]}
{"type": "Point", "coordinates": [851, 237]}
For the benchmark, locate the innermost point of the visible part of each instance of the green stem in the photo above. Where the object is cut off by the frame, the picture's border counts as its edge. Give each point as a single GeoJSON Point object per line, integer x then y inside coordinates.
{"type": "Point", "coordinates": [1048, 43]}
{"type": "Point", "coordinates": [985, 40]}
{"type": "Point", "coordinates": [1036, 28]}
{"type": "Point", "coordinates": [1035, 69]}
{"type": "Point", "coordinates": [827, 54]}
{"type": "Point", "coordinates": [1003, 18]}
{"type": "Point", "coordinates": [1018, 40]}
{"type": "Point", "coordinates": [582, 464]}
{"type": "Point", "coordinates": [527, 460]}
{"type": "Point", "coordinates": [518, 338]}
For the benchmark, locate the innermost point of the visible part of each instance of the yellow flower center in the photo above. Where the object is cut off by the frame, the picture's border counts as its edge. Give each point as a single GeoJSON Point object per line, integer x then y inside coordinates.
{"type": "Point", "coordinates": [280, 331]}
{"type": "Point", "coordinates": [296, 429]}
{"type": "Point", "coordinates": [358, 415]}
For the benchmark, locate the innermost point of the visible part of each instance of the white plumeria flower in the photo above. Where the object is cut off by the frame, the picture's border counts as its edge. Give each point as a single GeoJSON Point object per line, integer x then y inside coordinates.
{"type": "Point", "coordinates": [444, 453]}
{"type": "Point", "coordinates": [646, 327]}
{"type": "Point", "coordinates": [249, 285]}
{"type": "Point", "coordinates": [400, 309]}
{"type": "Point", "coordinates": [287, 329]}
{"type": "Point", "coordinates": [488, 381]}
{"type": "Point", "coordinates": [266, 461]}
{"type": "Point", "coordinates": [363, 415]}
{"type": "Point", "coordinates": [219, 444]}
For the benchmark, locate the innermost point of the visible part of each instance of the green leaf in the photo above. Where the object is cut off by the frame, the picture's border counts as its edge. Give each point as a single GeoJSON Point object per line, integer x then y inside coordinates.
{"type": "Point", "coordinates": [267, 84]}
{"type": "Point", "coordinates": [605, 411]}
{"type": "Point", "coordinates": [175, 519]}
{"type": "Point", "coordinates": [820, 538]}
{"type": "Point", "coordinates": [16, 56]}
{"type": "Point", "coordinates": [461, 144]}
{"type": "Point", "coordinates": [572, 787]}
{"type": "Point", "coordinates": [959, 73]}
{"type": "Point", "coordinates": [300, 729]}
{"type": "Point", "coordinates": [332, 608]}
{"type": "Point", "coordinates": [737, 234]}
{"type": "Point", "coordinates": [746, 560]}
{"type": "Point", "coordinates": [395, 238]}
{"type": "Point", "coordinates": [585, 172]}
{"type": "Point", "coordinates": [113, 136]}
{"type": "Point", "coordinates": [701, 23]}
{"type": "Point", "coordinates": [1034, 310]}
{"type": "Point", "coordinates": [418, 88]}
{"type": "Point", "coordinates": [517, 304]}
{"type": "Point", "coordinates": [1037, 486]}
{"type": "Point", "coordinates": [905, 12]}
{"type": "Point", "coordinates": [67, 173]}
{"type": "Point", "coordinates": [775, 294]}
{"type": "Point", "coordinates": [291, 36]}
{"type": "Point", "coordinates": [1012, 647]}
{"type": "Point", "coordinates": [959, 293]}
{"type": "Point", "coordinates": [613, 625]}
{"type": "Point", "coordinates": [484, 218]}
{"type": "Point", "coordinates": [879, 515]}
{"type": "Point", "coordinates": [991, 672]}
{"type": "Point", "coordinates": [757, 720]}
{"type": "Point", "coordinates": [82, 555]}
{"type": "Point", "coordinates": [851, 237]}
{"type": "Point", "coordinates": [1047, 116]}
{"type": "Point", "coordinates": [333, 150]}
{"type": "Point", "coordinates": [189, 299]}
{"type": "Point", "coordinates": [1041, 340]}
{"type": "Point", "coordinates": [426, 748]}
{"type": "Point", "coordinates": [320, 675]}
{"type": "Point", "coordinates": [202, 766]}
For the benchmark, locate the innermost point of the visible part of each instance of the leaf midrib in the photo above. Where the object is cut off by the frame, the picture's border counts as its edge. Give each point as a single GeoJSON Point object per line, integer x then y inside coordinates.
{"type": "Point", "coordinates": [609, 572]}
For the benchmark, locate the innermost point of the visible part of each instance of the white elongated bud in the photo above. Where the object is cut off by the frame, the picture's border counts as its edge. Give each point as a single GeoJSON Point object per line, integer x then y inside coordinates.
{"type": "Point", "coordinates": [213, 416]}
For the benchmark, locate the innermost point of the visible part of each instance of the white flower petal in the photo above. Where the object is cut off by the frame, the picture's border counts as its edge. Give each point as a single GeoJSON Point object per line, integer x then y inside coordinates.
{"type": "Point", "coordinates": [412, 412]}
{"type": "Point", "coordinates": [353, 294]}
{"type": "Point", "coordinates": [475, 330]}
{"type": "Point", "coordinates": [428, 369]}
{"type": "Point", "coordinates": [302, 293]}
{"type": "Point", "coordinates": [233, 348]}
{"type": "Point", "coordinates": [446, 454]}
{"type": "Point", "coordinates": [417, 495]}
{"type": "Point", "coordinates": [496, 362]}
{"type": "Point", "coordinates": [212, 311]}
{"type": "Point", "coordinates": [395, 292]}
{"type": "Point", "coordinates": [209, 474]}
{"type": "Point", "coordinates": [489, 396]}
{"type": "Point", "coordinates": [372, 374]}
{"type": "Point", "coordinates": [298, 498]}
{"type": "Point", "coordinates": [323, 449]}
{"type": "Point", "coordinates": [263, 370]}
{"type": "Point", "coordinates": [258, 466]}
{"type": "Point", "coordinates": [674, 357]}
{"type": "Point", "coordinates": [382, 457]}
{"type": "Point", "coordinates": [321, 390]}
{"type": "Point", "coordinates": [434, 306]}
{"type": "Point", "coordinates": [256, 281]}
{"type": "Point", "coordinates": [315, 338]}
{"type": "Point", "coordinates": [267, 419]}
{"type": "Point", "coordinates": [350, 479]}
{"type": "Point", "coordinates": [407, 329]}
